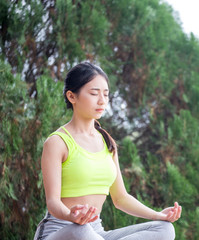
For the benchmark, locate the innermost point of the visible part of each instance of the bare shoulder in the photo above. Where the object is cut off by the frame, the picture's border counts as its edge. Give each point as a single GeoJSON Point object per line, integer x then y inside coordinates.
{"type": "Point", "coordinates": [54, 140]}
{"type": "Point", "coordinates": [54, 145]}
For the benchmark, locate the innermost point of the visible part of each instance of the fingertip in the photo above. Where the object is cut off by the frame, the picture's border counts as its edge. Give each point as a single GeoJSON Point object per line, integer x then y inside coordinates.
{"type": "Point", "coordinates": [79, 206]}
{"type": "Point", "coordinates": [96, 217]}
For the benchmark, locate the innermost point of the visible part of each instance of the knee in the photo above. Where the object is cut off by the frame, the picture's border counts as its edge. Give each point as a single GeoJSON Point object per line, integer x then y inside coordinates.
{"type": "Point", "coordinates": [81, 232]}
{"type": "Point", "coordinates": [85, 232]}
{"type": "Point", "coordinates": [168, 231]}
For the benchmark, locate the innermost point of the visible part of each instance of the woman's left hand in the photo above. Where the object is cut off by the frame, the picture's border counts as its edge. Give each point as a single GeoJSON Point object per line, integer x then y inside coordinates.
{"type": "Point", "coordinates": [171, 214]}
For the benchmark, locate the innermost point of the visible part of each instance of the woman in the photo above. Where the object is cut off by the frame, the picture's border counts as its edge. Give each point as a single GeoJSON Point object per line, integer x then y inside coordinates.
{"type": "Point", "coordinates": [80, 168]}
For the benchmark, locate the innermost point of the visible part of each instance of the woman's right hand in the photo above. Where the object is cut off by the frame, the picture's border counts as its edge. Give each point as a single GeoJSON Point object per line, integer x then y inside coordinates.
{"type": "Point", "coordinates": [82, 214]}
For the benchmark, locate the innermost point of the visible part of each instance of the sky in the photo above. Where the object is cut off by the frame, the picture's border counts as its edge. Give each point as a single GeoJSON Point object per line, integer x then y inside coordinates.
{"type": "Point", "coordinates": [189, 14]}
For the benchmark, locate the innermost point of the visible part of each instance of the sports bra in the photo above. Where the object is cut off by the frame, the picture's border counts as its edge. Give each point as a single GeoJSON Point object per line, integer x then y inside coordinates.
{"type": "Point", "coordinates": [84, 172]}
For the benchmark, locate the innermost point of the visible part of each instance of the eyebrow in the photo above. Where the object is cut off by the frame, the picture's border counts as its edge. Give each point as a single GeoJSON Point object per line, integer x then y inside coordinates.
{"type": "Point", "coordinates": [97, 89]}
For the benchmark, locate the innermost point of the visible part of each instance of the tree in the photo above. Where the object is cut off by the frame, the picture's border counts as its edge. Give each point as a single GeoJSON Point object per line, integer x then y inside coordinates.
{"type": "Point", "coordinates": [25, 123]}
{"type": "Point", "coordinates": [153, 70]}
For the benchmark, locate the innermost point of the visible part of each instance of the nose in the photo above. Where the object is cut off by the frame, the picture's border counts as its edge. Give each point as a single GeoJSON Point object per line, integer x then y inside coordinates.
{"type": "Point", "coordinates": [102, 99]}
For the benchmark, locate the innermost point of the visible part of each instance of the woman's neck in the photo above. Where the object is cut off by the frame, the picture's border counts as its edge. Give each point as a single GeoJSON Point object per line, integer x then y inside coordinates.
{"type": "Point", "coordinates": [82, 126]}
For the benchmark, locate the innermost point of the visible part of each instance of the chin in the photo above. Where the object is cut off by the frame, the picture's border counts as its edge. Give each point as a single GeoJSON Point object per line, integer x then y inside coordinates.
{"type": "Point", "coordinates": [98, 117]}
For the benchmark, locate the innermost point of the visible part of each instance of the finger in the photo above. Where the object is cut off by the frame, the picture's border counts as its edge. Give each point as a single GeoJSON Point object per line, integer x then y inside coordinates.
{"type": "Point", "coordinates": [170, 216]}
{"type": "Point", "coordinates": [179, 212]}
{"type": "Point", "coordinates": [77, 207]}
{"type": "Point", "coordinates": [175, 214]}
{"type": "Point", "coordinates": [176, 205]}
{"type": "Point", "coordinates": [81, 214]}
{"type": "Point", "coordinates": [93, 219]}
{"type": "Point", "coordinates": [88, 215]}
{"type": "Point", "coordinates": [174, 217]}
{"type": "Point", "coordinates": [174, 210]}
{"type": "Point", "coordinates": [90, 212]}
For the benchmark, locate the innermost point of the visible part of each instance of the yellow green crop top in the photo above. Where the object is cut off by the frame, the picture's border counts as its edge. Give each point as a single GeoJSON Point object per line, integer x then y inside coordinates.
{"type": "Point", "coordinates": [84, 172]}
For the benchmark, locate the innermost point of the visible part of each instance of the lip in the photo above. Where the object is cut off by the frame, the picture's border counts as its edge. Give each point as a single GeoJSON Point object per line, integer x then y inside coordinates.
{"type": "Point", "coordinates": [100, 110]}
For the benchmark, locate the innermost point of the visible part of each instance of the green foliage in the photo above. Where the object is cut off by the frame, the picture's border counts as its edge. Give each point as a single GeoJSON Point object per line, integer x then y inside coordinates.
{"type": "Point", "coordinates": [153, 70]}
{"type": "Point", "coordinates": [179, 187]}
{"type": "Point", "coordinates": [25, 124]}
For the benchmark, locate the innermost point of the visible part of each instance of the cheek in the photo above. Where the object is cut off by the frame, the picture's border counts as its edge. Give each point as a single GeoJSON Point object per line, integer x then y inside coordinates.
{"type": "Point", "coordinates": [86, 101]}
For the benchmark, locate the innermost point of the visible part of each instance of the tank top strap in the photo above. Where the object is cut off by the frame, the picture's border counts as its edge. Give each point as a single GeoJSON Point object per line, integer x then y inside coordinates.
{"type": "Point", "coordinates": [67, 132]}
{"type": "Point", "coordinates": [67, 139]}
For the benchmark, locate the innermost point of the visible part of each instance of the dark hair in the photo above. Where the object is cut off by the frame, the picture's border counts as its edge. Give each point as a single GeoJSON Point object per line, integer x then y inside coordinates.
{"type": "Point", "coordinates": [76, 78]}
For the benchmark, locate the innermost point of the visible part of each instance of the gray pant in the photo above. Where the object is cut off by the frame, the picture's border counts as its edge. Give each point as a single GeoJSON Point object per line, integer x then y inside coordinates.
{"type": "Point", "coordinates": [51, 228]}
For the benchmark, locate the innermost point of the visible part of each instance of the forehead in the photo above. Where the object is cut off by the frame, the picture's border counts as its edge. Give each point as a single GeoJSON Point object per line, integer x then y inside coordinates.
{"type": "Point", "coordinates": [97, 82]}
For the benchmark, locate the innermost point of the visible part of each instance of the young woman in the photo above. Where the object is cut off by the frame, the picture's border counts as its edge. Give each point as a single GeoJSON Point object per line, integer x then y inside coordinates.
{"type": "Point", "coordinates": [80, 168]}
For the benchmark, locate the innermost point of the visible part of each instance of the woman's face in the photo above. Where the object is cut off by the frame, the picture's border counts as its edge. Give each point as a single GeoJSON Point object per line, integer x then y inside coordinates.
{"type": "Point", "coordinates": [92, 99]}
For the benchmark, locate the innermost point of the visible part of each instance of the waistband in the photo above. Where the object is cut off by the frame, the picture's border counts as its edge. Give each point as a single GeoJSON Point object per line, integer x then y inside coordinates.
{"type": "Point", "coordinates": [49, 217]}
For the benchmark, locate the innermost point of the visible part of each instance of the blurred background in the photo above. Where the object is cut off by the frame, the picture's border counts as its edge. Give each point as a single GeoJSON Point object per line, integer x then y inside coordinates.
{"type": "Point", "coordinates": [153, 68]}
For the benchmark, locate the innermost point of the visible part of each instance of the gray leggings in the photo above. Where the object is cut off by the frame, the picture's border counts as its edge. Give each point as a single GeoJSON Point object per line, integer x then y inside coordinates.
{"type": "Point", "coordinates": [51, 228]}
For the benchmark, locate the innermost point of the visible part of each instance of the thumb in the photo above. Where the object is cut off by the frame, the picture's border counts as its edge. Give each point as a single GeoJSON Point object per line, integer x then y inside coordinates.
{"type": "Point", "coordinates": [76, 208]}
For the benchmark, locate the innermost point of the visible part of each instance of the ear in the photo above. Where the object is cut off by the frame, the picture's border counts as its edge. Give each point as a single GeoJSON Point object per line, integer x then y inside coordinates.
{"type": "Point", "coordinates": [71, 96]}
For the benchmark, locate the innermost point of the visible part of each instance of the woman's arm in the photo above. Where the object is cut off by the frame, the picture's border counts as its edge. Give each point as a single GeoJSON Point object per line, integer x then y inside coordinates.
{"type": "Point", "coordinates": [54, 153]}
{"type": "Point", "coordinates": [127, 203]}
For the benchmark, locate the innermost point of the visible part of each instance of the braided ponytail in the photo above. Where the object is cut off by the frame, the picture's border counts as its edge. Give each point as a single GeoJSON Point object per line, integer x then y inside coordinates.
{"type": "Point", "coordinates": [111, 144]}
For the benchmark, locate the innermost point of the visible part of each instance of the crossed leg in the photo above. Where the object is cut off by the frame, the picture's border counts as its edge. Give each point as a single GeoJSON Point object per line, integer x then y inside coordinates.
{"type": "Point", "coordinates": [154, 230]}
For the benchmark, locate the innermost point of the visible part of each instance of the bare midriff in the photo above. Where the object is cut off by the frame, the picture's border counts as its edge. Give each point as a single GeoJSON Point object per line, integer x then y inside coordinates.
{"type": "Point", "coordinates": [92, 201]}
